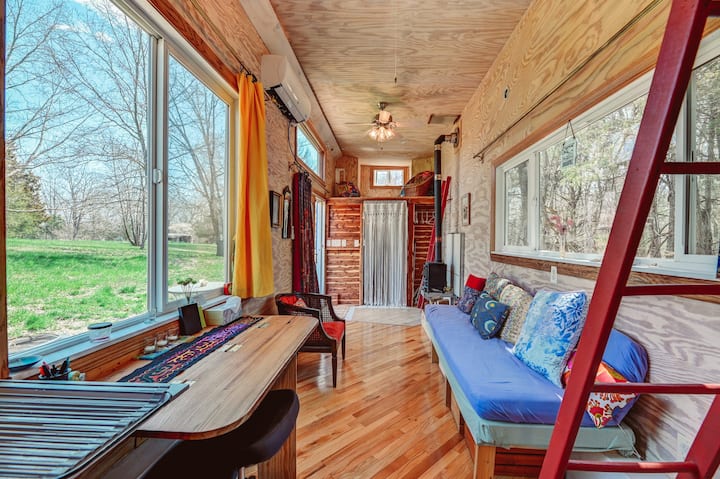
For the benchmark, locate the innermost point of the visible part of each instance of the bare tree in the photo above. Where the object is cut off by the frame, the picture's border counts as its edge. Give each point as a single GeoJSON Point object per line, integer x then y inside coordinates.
{"type": "Point", "coordinates": [197, 128]}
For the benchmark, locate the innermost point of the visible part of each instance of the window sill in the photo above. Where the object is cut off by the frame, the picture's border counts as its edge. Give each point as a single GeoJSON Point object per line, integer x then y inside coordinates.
{"type": "Point", "coordinates": [80, 346]}
{"type": "Point", "coordinates": [588, 269]}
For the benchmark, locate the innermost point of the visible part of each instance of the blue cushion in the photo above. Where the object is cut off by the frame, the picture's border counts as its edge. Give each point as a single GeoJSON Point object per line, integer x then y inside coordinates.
{"type": "Point", "coordinates": [496, 383]}
{"type": "Point", "coordinates": [552, 328]}
{"type": "Point", "coordinates": [466, 303]}
{"type": "Point", "coordinates": [488, 315]}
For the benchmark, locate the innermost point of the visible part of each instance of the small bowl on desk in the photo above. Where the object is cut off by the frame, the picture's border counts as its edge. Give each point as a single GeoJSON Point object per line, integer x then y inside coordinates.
{"type": "Point", "coordinates": [98, 332]}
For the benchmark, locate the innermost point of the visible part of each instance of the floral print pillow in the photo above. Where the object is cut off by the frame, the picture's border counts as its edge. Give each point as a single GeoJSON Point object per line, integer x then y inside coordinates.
{"type": "Point", "coordinates": [551, 331]}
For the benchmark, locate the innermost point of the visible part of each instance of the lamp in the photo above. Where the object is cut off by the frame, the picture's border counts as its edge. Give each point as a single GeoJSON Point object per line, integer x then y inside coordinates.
{"type": "Point", "coordinates": [381, 133]}
{"type": "Point", "coordinates": [383, 125]}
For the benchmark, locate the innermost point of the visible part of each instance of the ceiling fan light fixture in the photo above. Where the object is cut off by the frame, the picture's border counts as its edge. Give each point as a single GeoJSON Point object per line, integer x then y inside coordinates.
{"type": "Point", "coordinates": [384, 116]}
{"type": "Point", "coordinates": [381, 133]}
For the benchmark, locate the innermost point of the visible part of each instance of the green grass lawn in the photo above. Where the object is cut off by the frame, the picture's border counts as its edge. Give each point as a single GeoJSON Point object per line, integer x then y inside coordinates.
{"type": "Point", "coordinates": [61, 286]}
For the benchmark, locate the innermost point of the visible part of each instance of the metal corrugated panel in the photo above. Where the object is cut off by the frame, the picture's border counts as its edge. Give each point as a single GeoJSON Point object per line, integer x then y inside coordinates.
{"type": "Point", "coordinates": [52, 429]}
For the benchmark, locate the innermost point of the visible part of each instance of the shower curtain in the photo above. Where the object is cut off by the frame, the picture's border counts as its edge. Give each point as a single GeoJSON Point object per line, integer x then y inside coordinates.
{"type": "Point", "coordinates": [385, 230]}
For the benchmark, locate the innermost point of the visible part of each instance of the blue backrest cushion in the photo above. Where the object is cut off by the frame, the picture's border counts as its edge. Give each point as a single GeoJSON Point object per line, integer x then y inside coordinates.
{"type": "Point", "coordinates": [552, 328]}
{"type": "Point", "coordinates": [488, 315]}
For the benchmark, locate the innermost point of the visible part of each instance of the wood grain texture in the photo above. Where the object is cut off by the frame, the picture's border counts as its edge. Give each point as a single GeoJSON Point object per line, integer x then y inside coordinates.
{"type": "Point", "coordinates": [347, 50]}
{"type": "Point", "coordinates": [552, 61]}
{"type": "Point", "coordinates": [387, 416]}
{"type": "Point", "coordinates": [238, 381]}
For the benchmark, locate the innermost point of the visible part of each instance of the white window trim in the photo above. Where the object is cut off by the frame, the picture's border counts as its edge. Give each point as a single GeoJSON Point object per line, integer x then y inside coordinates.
{"type": "Point", "coordinates": [686, 265]}
{"type": "Point", "coordinates": [167, 41]}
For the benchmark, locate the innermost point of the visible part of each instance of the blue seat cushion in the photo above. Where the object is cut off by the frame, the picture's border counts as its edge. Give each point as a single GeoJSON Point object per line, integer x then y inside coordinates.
{"type": "Point", "coordinates": [498, 385]}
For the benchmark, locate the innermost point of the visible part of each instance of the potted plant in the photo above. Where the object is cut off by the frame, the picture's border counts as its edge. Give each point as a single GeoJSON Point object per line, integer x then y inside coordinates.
{"type": "Point", "coordinates": [188, 287]}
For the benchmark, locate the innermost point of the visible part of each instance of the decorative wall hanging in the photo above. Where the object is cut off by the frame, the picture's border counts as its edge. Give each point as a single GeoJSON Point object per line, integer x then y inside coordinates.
{"type": "Point", "coordinates": [275, 209]}
{"type": "Point", "coordinates": [465, 209]}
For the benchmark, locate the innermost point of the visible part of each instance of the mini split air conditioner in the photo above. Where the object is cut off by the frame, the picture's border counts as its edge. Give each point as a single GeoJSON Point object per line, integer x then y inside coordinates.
{"type": "Point", "coordinates": [284, 86]}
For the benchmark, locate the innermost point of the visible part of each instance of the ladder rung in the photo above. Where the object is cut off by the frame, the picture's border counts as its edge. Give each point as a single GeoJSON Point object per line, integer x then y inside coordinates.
{"type": "Point", "coordinates": [656, 388]}
{"type": "Point", "coordinates": [690, 168]}
{"type": "Point", "coordinates": [671, 289]}
{"type": "Point", "coordinates": [638, 467]}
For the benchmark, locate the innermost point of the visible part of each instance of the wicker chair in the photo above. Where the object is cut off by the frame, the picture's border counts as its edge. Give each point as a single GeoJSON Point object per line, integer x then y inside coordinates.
{"type": "Point", "coordinates": [330, 330]}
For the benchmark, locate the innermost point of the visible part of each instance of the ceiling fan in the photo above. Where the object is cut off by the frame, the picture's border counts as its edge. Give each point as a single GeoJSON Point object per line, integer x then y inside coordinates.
{"type": "Point", "coordinates": [382, 126]}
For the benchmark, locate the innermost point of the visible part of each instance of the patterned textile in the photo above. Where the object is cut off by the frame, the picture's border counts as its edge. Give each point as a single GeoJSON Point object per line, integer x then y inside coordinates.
{"type": "Point", "coordinates": [519, 301]}
{"type": "Point", "coordinates": [552, 328]}
{"type": "Point", "coordinates": [168, 365]}
{"type": "Point", "coordinates": [304, 275]}
{"type": "Point", "coordinates": [495, 284]}
{"type": "Point", "coordinates": [488, 315]}
{"type": "Point", "coordinates": [466, 302]}
{"type": "Point", "coordinates": [602, 406]}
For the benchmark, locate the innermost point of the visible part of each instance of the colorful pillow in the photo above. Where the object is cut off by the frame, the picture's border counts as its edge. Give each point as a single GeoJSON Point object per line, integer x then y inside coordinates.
{"type": "Point", "coordinates": [293, 301]}
{"type": "Point", "coordinates": [488, 315]}
{"type": "Point", "coordinates": [519, 301]}
{"type": "Point", "coordinates": [552, 328]}
{"type": "Point", "coordinates": [495, 284]}
{"type": "Point", "coordinates": [602, 406]}
{"type": "Point", "coordinates": [475, 282]}
{"type": "Point", "coordinates": [465, 304]}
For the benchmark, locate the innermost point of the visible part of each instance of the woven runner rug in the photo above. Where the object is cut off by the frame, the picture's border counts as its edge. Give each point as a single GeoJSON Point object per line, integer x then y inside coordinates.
{"type": "Point", "coordinates": [168, 365]}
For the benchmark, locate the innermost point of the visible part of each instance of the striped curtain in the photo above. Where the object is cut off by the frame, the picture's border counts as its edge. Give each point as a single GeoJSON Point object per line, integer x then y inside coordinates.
{"type": "Point", "coordinates": [303, 246]}
{"type": "Point", "coordinates": [385, 236]}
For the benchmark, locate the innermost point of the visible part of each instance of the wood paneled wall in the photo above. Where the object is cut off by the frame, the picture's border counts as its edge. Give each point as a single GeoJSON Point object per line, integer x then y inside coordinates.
{"type": "Point", "coordinates": [343, 276]}
{"type": "Point", "coordinates": [564, 57]}
{"type": "Point", "coordinates": [344, 261]}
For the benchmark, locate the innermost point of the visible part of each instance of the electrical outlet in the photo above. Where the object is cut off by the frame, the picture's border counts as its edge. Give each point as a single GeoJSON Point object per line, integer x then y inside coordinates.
{"type": "Point", "coordinates": [553, 274]}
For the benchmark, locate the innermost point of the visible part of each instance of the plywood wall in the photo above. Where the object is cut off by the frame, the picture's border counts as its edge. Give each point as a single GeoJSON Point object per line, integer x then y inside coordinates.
{"type": "Point", "coordinates": [564, 57]}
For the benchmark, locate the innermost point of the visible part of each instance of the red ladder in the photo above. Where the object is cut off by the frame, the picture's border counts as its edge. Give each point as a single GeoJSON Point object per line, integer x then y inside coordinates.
{"type": "Point", "coordinates": [672, 74]}
{"type": "Point", "coordinates": [430, 257]}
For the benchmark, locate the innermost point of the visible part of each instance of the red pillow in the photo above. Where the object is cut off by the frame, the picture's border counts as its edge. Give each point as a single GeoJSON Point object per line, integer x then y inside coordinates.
{"type": "Point", "coordinates": [475, 283]}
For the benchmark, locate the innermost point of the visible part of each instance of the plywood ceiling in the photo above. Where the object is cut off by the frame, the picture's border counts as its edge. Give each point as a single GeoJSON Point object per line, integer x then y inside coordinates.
{"type": "Point", "coordinates": [352, 50]}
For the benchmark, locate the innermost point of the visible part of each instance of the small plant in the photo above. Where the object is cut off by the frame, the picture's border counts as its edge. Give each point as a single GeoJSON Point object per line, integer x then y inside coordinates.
{"type": "Point", "coordinates": [187, 285]}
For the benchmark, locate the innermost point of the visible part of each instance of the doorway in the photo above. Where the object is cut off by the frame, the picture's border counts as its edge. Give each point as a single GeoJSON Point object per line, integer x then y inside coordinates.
{"type": "Point", "coordinates": [385, 253]}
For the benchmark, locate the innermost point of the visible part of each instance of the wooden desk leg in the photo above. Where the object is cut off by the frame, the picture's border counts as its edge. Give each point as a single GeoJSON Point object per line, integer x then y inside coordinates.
{"type": "Point", "coordinates": [283, 464]}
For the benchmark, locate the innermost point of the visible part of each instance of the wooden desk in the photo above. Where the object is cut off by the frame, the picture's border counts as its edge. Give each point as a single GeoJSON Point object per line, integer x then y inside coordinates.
{"type": "Point", "coordinates": [229, 386]}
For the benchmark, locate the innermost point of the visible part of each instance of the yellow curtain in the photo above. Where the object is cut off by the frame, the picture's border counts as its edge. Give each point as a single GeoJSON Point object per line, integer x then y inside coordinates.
{"type": "Point", "coordinates": [253, 268]}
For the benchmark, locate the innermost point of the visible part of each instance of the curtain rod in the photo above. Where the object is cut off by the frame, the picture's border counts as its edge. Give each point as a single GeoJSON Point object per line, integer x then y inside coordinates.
{"type": "Point", "coordinates": [575, 71]}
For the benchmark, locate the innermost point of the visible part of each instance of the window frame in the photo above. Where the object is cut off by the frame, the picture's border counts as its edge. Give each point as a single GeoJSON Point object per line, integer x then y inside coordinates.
{"type": "Point", "coordinates": [683, 264]}
{"type": "Point", "coordinates": [312, 139]}
{"type": "Point", "coordinates": [373, 169]}
{"type": "Point", "coordinates": [165, 41]}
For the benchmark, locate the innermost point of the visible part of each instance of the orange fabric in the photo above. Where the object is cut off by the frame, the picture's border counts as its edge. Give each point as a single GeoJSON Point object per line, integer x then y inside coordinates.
{"type": "Point", "coordinates": [334, 329]}
{"type": "Point", "coordinates": [252, 266]}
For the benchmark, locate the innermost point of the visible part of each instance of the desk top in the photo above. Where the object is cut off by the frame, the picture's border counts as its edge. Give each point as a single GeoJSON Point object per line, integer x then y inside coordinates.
{"type": "Point", "coordinates": [228, 386]}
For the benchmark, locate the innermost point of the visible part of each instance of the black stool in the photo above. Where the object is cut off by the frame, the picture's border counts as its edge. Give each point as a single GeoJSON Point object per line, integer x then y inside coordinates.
{"type": "Point", "coordinates": [255, 441]}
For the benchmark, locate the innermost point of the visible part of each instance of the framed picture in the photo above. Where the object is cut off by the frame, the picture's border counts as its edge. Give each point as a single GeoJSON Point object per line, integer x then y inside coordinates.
{"type": "Point", "coordinates": [275, 209]}
{"type": "Point", "coordinates": [465, 208]}
{"type": "Point", "coordinates": [287, 205]}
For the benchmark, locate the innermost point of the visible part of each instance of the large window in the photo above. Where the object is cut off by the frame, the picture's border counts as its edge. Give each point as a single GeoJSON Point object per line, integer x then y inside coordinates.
{"type": "Point", "coordinates": [308, 152]}
{"type": "Point", "coordinates": [577, 177]}
{"type": "Point", "coordinates": [95, 233]}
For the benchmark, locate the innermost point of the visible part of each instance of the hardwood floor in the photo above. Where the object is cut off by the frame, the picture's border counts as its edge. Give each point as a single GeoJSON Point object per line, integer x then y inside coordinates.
{"type": "Point", "coordinates": [387, 416]}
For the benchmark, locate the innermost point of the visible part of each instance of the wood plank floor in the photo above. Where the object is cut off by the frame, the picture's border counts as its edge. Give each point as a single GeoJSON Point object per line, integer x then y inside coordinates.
{"type": "Point", "coordinates": [386, 418]}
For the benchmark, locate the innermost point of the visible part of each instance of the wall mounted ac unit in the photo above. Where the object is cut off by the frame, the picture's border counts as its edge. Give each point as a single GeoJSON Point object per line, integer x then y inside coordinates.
{"type": "Point", "coordinates": [284, 86]}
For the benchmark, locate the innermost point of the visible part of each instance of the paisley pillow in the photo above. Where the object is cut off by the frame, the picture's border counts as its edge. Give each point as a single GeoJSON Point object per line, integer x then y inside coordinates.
{"type": "Point", "coordinates": [488, 315]}
{"type": "Point", "coordinates": [551, 331]}
{"type": "Point", "coordinates": [519, 301]}
{"type": "Point", "coordinates": [495, 284]}
{"type": "Point", "coordinates": [466, 302]}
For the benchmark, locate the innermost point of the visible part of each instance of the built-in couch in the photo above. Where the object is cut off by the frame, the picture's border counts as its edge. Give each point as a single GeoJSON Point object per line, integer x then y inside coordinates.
{"type": "Point", "coordinates": [506, 410]}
